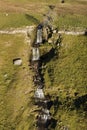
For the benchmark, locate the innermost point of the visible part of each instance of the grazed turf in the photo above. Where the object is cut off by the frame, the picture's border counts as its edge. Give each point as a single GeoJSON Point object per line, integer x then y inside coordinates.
{"type": "Point", "coordinates": [70, 15]}
{"type": "Point", "coordinates": [15, 84]}
{"type": "Point", "coordinates": [65, 77]}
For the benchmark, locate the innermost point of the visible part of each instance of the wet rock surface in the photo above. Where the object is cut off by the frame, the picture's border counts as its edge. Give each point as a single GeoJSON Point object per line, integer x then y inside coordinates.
{"type": "Point", "coordinates": [41, 100]}
{"type": "Point", "coordinates": [45, 32]}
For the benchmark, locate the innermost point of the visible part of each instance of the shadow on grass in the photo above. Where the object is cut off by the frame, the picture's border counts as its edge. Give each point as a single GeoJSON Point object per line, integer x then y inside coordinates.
{"type": "Point", "coordinates": [48, 56]}
{"type": "Point", "coordinates": [81, 102]}
{"type": "Point", "coordinates": [53, 124]}
{"type": "Point", "coordinates": [32, 18]}
{"type": "Point", "coordinates": [56, 104]}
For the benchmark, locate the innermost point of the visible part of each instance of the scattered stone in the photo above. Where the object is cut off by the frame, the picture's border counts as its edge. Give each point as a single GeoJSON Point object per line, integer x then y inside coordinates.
{"type": "Point", "coordinates": [22, 108]}
{"type": "Point", "coordinates": [62, 1]}
{"type": "Point", "coordinates": [50, 40]}
{"type": "Point", "coordinates": [17, 61]}
{"type": "Point", "coordinates": [6, 14]}
{"type": "Point", "coordinates": [6, 75]}
{"type": "Point", "coordinates": [45, 34]}
{"type": "Point", "coordinates": [86, 32]}
{"type": "Point", "coordinates": [39, 94]}
{"type": "Point", "coordinates": [27, 92]}
{"type": "Point", "coordinates": [55, 31]}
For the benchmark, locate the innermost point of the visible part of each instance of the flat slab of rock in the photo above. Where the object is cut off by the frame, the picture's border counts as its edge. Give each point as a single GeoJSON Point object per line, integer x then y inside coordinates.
{"type": "Point", "coordinates": [39, 94]}
{"type": "Point", "coordinates": [17, 61]}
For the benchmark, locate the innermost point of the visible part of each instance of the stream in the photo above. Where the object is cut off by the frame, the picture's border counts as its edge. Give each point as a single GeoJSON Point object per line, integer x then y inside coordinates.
{"type": "Point", "coordinates": [42, 101]}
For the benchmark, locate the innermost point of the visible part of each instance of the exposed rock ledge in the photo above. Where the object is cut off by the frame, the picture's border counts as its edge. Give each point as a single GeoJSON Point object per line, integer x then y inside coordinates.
{"type": "Point", "coordinates": [26, 29]}
{"type": "Point", "coordinates": [18, 30]}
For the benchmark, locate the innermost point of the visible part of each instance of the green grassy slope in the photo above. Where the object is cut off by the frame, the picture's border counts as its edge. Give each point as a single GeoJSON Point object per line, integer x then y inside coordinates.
{"type": "Point", "coordinates": [70, 15]}
{"type": "Point", "coordinates": [69, 69]}
{"type": "Point", "coordinates": [14, 20]}
{"type": "Point", "coordinates": [65, 77]}
{"type": "Point", "coordinates": [16, 108]}
{"type": "Point", "coordinates": [65, 74]}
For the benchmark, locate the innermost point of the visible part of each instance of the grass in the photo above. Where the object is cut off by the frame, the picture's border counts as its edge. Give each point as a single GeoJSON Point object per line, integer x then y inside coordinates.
{"type": "Point", "coordinates": [72, 22]}
{"type": "Point", "coordinates": [14, 20]}
{"type": "Point", "coordinates": [69, 69]}
{"type": "Point", "coordinates": [71, 120]}
{"type": "Point", "coordinates": [65, 76]}
{"type": "Point", "coordinates": [65, 15]}
{"type": "Point", "coordinates": [16, 107]}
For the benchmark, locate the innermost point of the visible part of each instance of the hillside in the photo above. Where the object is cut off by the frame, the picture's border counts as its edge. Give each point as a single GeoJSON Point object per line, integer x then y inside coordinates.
{"type": "Point", "coordinates": [70, 15]}
{"type": "Point", "coordinates": [65, 78]}
{"type": "Point", "coordinates": [64, 71]}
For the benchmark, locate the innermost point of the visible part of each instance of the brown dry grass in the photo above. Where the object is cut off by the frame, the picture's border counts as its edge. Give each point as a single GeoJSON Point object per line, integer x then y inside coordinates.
{"type": "Point", "coordinates": [77, 7]}
{"type": "Point", "coordinates": [6, 6]}
{"type": "Point", "coordinates": [72, 9]}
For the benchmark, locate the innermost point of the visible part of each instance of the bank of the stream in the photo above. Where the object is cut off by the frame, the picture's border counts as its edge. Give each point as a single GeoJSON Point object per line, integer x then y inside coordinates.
{"type": "Point", "coordinates": [65, 79]}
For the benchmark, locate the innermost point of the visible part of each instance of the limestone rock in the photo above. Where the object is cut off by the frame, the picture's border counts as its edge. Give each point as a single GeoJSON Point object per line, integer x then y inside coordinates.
{"type": "Point", "coordinates": [17, 61]}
